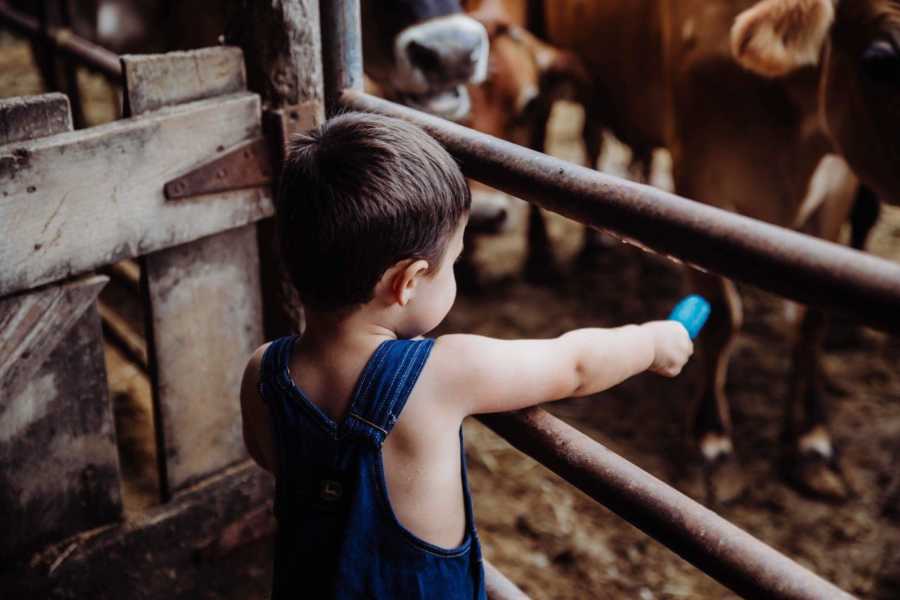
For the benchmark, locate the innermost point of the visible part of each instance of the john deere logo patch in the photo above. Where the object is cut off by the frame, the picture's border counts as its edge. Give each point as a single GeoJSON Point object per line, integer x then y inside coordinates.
{"type": "Point", "coordinates": [330, 490]}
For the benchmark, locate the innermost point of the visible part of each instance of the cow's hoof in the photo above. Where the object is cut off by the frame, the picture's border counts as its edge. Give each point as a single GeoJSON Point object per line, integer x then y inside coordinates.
{"type": "Point", "coordinates": [724, 479]}
{"type": "Point", "coordinates": [819, 476]}
{"type": "Point", "coordinates": [722, 474]}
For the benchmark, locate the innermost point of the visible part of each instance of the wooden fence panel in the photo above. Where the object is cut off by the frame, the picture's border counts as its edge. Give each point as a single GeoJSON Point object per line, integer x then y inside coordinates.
{"type": "Point", "coordinates": [204, 296]}
{"type": "Point", "coordinates": [30, 117]}
{"type": "Point", "coordinates": [153, 81]}
{"type": "Point", "coordinates": [59, 469]}
{"type": "Point", "coordinates": [75, 201]}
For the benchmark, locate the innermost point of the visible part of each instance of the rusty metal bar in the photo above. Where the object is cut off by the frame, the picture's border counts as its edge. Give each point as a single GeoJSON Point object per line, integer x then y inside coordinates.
{"type": "Point", "coordinates": [65, 42]}
{"type": "Point", "coordinates": [796, 266]}
{"type": "Point", "coordinates": [341, 49]}
{"type": "Point", "coordinates": [720, 549]}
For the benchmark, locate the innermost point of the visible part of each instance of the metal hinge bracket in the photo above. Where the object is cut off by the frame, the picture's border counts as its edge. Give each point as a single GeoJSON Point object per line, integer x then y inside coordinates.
{"type": "Point", "coordinates": [250, 163]}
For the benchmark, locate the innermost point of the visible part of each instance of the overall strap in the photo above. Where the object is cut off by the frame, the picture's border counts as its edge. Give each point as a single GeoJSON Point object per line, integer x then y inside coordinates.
{"type": "Point", "coordinates": [273, 373]}
{"type": "Point", "coordinates": [383, 388]}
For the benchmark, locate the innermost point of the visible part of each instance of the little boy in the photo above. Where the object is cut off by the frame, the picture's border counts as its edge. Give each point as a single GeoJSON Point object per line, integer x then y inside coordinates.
{"type": "Point", "coordinates": [360, 418]}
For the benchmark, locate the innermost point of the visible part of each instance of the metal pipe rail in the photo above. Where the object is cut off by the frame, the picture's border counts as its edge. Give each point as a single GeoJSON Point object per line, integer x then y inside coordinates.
{"type": "Point", "coordinates": [794, 265]}
{"type": "Point", "coordinates": [64, 41]}
{"type": "Point", "coordinates": [712, 544]}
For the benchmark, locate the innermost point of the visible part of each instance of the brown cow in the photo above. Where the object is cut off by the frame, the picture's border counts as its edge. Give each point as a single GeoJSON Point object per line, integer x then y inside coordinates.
{"type": "Point", "coordinates": [525, 77]}
{"type": "Point", "coordinates": [750, 97]}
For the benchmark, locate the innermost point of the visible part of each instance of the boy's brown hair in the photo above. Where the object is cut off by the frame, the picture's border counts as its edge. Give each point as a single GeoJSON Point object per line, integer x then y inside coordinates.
{"type": "Point", "coordinates": [359, 194]}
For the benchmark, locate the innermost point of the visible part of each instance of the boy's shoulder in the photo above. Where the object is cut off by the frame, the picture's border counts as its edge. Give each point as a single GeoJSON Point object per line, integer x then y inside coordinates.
{"type": "Point", "coordinates": [254, 363]}
{"type": "Point", "coordinates": [254, 415]}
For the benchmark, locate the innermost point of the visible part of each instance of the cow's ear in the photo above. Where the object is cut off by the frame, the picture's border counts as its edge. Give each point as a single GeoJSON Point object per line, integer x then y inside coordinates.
{"type": "Point", "coordinates": [775, 37]}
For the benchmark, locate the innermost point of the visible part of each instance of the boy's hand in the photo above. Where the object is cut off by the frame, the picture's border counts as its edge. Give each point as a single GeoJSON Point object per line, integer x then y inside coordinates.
{"type": "Point", "coordinates": [672, 347]}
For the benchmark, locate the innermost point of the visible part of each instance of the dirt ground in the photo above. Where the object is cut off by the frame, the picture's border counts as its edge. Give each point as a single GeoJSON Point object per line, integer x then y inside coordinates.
{"type": "Point", "coordinates": [554, 541]}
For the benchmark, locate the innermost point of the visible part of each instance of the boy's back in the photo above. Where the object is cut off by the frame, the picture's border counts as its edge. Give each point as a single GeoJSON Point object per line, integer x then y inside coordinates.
{"type": "Point", "coordinates": [372, 497]}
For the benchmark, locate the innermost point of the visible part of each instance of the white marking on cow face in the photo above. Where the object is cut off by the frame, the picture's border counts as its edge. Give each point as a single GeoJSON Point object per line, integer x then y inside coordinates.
{"type": "Point", "coordinates": [108, 19]}
{"type": "Point", "coordinates": [831, 182]}
{"type": "Point", "coordinates": [433, 60]}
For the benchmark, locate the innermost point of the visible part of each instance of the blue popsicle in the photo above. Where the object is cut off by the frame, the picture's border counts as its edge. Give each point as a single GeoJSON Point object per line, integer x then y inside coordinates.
{"type": "Point", "coordinates": [691, 312]}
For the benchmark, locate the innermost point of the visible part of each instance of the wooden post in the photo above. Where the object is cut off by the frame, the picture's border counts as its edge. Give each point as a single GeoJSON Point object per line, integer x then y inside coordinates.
{"type": "Point", "coordinates": [59, 469]}
{"type": "Point", "coordinates": [203, 298]}
{"type": "Point", "coordinates": [283, 49]}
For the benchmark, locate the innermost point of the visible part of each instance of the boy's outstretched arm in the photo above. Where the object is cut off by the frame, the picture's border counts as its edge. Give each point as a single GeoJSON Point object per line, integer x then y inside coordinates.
{"type": "Point", "coordinates": [489, 375]}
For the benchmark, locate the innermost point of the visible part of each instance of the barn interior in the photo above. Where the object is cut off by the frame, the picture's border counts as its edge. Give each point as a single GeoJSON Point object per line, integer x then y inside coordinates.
{"type": "Point", "coordinates": [549, 538]}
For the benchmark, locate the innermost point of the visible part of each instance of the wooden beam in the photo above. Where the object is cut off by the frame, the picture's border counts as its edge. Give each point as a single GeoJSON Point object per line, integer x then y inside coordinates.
{"type": "Point", "coordinates": [282, 44]}
{"type": "Point", "coordinates": [283, 49]}
{"type": "Point", "coordinates": [59, 470]}
{"type": "Point", "coordinates": [206, 313]}
{"type": "Point", "coordinates": [120, 332]}
{"type": "Point", "coordinates": [33, 323]}
{"type": "Point", "coordinates": [156, 80]}
{"type": "Point", "coordinates": [196, 362]}
{"type": "Point", "coordinates": [30, 117]}
{"type": "Point", "coordinates": [173, 551]}
{"type": "Point", "coordinates": [72, 202]}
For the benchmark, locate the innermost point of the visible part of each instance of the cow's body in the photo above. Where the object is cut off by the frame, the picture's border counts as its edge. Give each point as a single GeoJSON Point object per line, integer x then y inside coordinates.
{"type": "Point", "coordinates": [750, 98]}
{"type": "Point", "coordinates": [665, 75]}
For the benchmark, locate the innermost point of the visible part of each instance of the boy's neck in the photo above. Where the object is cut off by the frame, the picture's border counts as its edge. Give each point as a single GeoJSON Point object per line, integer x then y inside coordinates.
{"type": "Point", "coordinates": [362, 327]}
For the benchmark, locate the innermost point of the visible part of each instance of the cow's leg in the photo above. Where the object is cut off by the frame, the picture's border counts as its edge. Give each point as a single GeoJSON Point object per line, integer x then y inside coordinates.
{"type": "Point", "coordinates": [712, 421]}
{"type": "Point", "coordinates": [863, 216]}
{"type": "Point", "coordinates": [540, 263]}
{"type": "Point", "coordinates": [595, 242]}
{"type": "Point", "coordinates": [813, 466]}
{"type": "Point", "coordinates": [466, 271]}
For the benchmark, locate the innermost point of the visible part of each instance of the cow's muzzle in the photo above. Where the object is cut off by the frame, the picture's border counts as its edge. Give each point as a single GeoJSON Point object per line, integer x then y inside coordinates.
{"type": "Point", "coordinates": [435, 59]}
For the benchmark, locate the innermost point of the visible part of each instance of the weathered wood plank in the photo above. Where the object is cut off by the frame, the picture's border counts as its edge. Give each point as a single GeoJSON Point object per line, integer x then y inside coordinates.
{"type": "Point", "coordinates": [30, 117]}
{"type": "Point", "coordinates": [282, 44]}
{"type": "Point", "coordinates": [33, 323]}
{"type": "Point", "coordinates": [206, 312]}
{"type": "Point", "coordinates": [156, 80]}
{"type": "Point", "coordinates": [195, 362]}
{"type": "Point", "coordinates": [59, 469]}
{"type": "Point", "coordinates": [283, 49]}
{"type": "Point", "coordinates": [173, 551]}
{"type": "Point", "coordinates": [75, 201]}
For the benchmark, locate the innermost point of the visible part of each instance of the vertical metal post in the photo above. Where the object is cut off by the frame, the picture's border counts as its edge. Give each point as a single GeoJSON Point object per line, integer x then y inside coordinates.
{"type": "Point", "coordinates": [341, 49]}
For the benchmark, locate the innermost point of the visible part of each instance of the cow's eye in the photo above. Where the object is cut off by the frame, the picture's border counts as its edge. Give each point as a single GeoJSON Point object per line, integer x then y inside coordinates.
{"type": "Point", "coordinates": [880, 62]}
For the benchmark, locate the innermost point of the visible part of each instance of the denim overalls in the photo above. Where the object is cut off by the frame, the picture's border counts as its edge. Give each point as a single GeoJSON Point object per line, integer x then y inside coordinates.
{"type": "Point", "coordinates": [337, 534]}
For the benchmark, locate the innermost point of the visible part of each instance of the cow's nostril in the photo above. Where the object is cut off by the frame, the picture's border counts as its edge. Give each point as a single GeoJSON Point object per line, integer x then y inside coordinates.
{"type": "Point", "coordinates": [423, 57]}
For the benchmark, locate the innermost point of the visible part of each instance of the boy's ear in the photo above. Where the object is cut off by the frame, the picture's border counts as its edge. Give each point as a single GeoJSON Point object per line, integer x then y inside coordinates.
{"type": "Point", "coordinates": [405, 280]}
{"type": "Point", "coordinates": [774, 37]}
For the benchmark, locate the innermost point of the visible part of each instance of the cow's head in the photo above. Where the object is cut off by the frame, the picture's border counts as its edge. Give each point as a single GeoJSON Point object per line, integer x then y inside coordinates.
{"type": "Point", "coordinates": [856, 44]}
{"type": "Point", "coordinates": [423, 52]}
{"type": "Point", "coordinates": [525, 76]}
